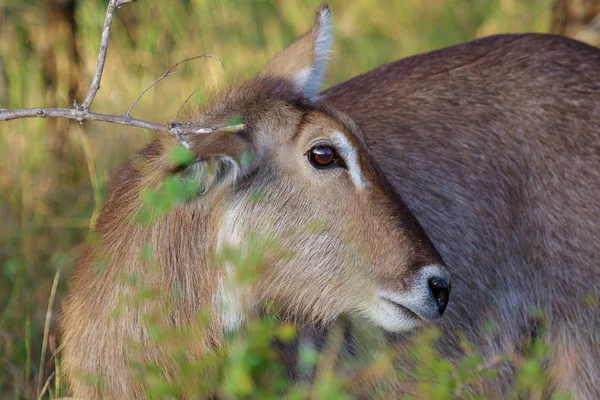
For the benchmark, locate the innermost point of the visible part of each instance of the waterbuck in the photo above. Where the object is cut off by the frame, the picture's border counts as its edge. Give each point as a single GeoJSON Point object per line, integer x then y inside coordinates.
{"type": "Point", "coordinates": [366, 254]}
{"type": "Point", "coordinates": [494, 146]}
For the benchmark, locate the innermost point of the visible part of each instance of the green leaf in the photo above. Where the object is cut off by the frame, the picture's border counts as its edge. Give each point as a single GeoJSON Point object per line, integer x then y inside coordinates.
{"type": "Point", "coordinates": [286, 332]}
{"type": "Point", "coordinates": [245, 159]}
{"type": "Point", "coordinates": [146, 252]}
{"type": "Point", "coordinates": [182, 156]}
{"type": "Point", "coordinates": [235, 120]}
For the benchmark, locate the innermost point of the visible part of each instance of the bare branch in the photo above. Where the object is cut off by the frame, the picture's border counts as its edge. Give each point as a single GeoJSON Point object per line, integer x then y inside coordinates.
{"type": "Point", "coordinates": [173, 125]}
{"type": "Point", "coordinates": [81, 112]}
{"type": "Point", "coordinates": [169, 73]}
{"type": "Point", "coordinates": [176, 130]}
{"type": "Point", "coordinates": [79, 115]}
{"type": "Point", "coordinates": [102, 54]}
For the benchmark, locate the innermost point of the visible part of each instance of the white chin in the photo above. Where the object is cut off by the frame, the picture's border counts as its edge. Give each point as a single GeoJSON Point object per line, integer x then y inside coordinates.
{"type": "Point", "coordinates": [394, 319]}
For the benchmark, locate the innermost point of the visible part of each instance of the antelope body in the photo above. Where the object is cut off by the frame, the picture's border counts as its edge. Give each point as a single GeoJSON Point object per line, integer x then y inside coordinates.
{"type": "Point", "coordinates": [494, 146]}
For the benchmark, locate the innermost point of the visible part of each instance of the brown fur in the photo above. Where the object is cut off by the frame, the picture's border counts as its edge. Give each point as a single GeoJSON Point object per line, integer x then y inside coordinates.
{"type": "Point", "coordinates": [367, 239]}
{"type": "Point", "coordinates": [495, 146]}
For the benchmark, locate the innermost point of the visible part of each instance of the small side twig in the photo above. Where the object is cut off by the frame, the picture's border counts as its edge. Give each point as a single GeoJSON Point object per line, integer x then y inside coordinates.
{"type": "Point", "coordinates": [95, 85]}
{"type": "Point", "coordinates": [172, 124]}
{"type": "Point", "coordinates": [183, 105]}
{"type": "Point", "coordinates": [128, 113]}
{"type": "Point", "coordinates": [168, 73]}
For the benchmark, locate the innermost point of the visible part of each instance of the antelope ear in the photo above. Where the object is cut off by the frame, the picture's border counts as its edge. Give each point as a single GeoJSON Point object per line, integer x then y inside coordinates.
{"type": "Point", "coordinates": [303, 62]}
{"type": "Point", "coordinates": [215, 159]}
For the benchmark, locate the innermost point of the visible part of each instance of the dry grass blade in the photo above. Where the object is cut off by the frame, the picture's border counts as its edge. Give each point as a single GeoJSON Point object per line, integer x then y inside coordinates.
{"type": "Point", "coordinates": [57, 376]}
{"type": "Point", "coordinates": [329, 357]}
{"type": "Point", "coordinates": [47, 329]}
{"type": "Point", "coordinates": [46, 385]}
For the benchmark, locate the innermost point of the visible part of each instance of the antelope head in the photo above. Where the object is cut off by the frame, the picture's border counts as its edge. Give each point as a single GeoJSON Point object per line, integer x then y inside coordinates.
{"type": "Point", "coordinates": [299, 177]}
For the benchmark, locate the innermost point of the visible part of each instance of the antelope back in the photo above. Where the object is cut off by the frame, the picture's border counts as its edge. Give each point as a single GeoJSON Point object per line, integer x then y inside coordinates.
{"type": "Point", "coordinates": [495, 146]}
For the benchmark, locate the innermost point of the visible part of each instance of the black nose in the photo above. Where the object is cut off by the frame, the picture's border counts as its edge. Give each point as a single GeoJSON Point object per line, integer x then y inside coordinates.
{"type": "Point", "coordinates": [441, 292]}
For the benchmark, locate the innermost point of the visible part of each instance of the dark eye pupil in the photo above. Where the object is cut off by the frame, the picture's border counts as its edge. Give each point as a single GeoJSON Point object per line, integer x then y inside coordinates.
{"type": "Point", "coordinates": [322, 155]}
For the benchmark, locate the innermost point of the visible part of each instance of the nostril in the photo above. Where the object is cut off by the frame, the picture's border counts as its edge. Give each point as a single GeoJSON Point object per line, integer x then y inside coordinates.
{"type": "Point", "coordinates": [441, 292]}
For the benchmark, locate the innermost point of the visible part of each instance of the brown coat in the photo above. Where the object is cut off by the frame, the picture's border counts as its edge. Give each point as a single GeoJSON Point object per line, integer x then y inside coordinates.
{"type": "Point", "coordinates": [495, 146]}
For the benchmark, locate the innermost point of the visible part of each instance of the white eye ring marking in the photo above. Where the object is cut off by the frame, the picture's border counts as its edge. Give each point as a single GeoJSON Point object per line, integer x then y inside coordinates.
{"type": "Point", "coordinates": [350, 154]}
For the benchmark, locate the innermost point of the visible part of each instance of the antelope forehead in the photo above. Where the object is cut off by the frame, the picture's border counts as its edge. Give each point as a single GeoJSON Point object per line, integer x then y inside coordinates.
{"type": "Point", "coordinates": [350, 154]}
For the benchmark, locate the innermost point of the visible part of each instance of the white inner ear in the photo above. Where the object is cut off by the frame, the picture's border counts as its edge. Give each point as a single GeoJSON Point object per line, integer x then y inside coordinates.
{"type": "Point", "coordinates": [221, 171]}
{"type": "Point", "coordinates": [309, 80]}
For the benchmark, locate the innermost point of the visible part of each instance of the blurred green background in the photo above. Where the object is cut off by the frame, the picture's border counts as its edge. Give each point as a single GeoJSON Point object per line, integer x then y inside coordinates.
{"type": "Point", "coordinates": [54, 174]}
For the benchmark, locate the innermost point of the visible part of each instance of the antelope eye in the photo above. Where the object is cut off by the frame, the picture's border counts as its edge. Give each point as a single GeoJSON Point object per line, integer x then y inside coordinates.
{"type": "Point", "coordinates": [323, 156]}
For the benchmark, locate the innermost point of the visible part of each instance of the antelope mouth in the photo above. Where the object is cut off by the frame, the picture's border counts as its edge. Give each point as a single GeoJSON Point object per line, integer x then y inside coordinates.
{"type": "Point", "coordinates": [393, 316]}
{"type": "Point", "coordinates": [423, 302]}
{"type": "Point", "coordinates": [403, 309]}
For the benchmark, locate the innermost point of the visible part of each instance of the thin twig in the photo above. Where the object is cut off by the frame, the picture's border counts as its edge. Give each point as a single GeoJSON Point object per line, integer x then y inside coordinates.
{"type": "Point", "coordinates": [169, 73]}
{"type": "Point", "coordinates": [172, 124]}
{"type": "Point", "coordinates": [128, 113]}
{"type": "Point", "coordinates": [183, 105]}
{"type": "Point", "coordinates": [95, 85]}
{"type": "Point", "coordinates": [27, 352]}
{"type": "Point", "coordinates": [47, 329]}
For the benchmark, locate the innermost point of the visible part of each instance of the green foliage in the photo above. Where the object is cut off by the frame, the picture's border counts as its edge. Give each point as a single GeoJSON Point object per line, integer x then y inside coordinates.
{"type": "Point", "coordinates": [245, 159]}
{"type": "Point", "coordinates": [174, 189]}
{"type": "Point", "coordinates": [235, 120]}
{"type": "Point", "coordinates": [182, 156]}
{"type": "Point", "coordinates": [252, 369]}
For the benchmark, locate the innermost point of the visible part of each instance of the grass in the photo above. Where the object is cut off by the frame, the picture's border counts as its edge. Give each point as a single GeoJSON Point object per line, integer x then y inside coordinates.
{"type": "Point", "coordinates": [54, 176]}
